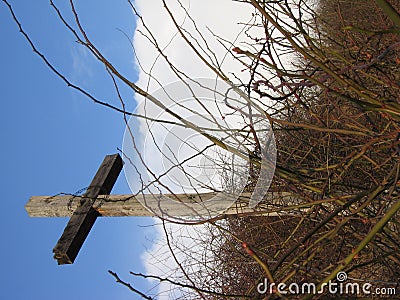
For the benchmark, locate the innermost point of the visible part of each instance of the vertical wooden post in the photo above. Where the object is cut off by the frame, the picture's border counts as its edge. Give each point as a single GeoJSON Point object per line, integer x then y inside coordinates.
{"type": "Point", "coordinates": [85, 215]}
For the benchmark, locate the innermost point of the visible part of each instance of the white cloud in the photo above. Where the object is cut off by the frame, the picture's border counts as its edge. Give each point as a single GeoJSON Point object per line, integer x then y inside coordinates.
{"type": "Point", "coordinates": [219, 17]}
{"type": "Point", "coordinates": [203, 20]}
{"type": "Point", "coordinates": [80, 64]}
{"type": "Point", "coordinates": [188, 250]}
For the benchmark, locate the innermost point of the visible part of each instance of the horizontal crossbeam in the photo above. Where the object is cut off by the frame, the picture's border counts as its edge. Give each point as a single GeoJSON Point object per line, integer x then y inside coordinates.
{"type": "Point", "coordinates": [130, 205]}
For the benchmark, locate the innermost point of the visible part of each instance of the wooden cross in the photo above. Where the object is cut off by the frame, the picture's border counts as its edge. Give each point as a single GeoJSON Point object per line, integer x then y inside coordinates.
{"type": "Point", "coordinates": [97, 202]}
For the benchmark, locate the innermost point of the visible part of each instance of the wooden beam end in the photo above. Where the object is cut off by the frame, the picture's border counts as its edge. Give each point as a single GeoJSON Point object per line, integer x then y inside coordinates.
{"type": "Point", "coordinates": [62, 258]}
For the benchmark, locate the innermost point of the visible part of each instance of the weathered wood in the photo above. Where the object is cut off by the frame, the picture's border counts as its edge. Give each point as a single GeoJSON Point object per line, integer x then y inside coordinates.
{"type": "Point", "coordinates": [85, 215]}
{"type": "Point", "coordinates": [130, 205]}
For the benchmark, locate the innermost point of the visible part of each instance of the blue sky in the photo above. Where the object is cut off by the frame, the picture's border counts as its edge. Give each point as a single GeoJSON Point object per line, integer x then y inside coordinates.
{"type": "Point", "coordinates": [53, 140]}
